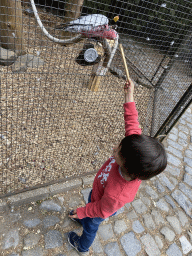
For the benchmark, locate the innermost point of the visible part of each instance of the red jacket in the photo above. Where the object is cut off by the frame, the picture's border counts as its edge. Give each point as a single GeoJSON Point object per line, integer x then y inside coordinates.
{"type": "Point", "coordinates": [110, 190]}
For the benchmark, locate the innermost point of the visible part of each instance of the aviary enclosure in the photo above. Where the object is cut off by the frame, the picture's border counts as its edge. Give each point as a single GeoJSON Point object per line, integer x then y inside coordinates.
{"type": "Point", "coordinates": [62, 79]}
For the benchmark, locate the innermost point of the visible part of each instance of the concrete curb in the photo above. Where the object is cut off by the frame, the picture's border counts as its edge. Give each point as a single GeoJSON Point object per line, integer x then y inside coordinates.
{"type": "Point", "coordinates": [45, 192]}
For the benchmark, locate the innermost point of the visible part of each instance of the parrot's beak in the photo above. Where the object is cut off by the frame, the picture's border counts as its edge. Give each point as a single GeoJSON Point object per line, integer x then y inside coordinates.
{"type": "Point", "coordinates": [116, 18]}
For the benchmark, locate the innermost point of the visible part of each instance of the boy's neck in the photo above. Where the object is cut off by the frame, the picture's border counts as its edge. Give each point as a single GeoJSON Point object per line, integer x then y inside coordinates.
{"type": "Point", "coordinates": [124, 174]}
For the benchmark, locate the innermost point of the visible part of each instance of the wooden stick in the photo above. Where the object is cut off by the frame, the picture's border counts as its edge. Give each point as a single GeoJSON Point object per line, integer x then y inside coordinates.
{"type": "Point", "coordinates": [124, 61]}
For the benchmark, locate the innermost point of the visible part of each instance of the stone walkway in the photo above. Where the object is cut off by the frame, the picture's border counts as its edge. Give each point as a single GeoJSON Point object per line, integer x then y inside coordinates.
{"type": "Point", "coordinates": [157, 222]}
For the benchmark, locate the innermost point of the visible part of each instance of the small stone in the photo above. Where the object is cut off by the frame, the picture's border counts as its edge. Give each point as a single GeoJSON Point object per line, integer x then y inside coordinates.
{"type": "Point", "coordinates": [50, 221]}
{"type": "Point", "coordinates": [173, 250]}
{"type": "Point", "coordinates": [31, 223]}
{"type": "Point", "coordinates": [186, 246]}
{"type": "Point", "coordinates": [161, 204]}
{"type": "Point", "coordinates": [31, 240]}
{"type": "Point", "coordinates": [148, 221]}
{"type": "Point", "coordinates": [130, 244]}
{"type": "Point", "coordinates": [112, 249]}
{"type": "Point", "coordinates": [50, 205]}
{"type": "Point", "coordinates": [53, 239]}
{"type": "Point", "coordinates": [139, 206]}
{"type": "Point", "coordinates": [168, 233]}
{"type": "Point", "coordinates": [11, 239]}
{"type": "Point", "coordinates": [137, 227]}
{"type": "Point", "coordinates": [106, 232]}
{"type": "Point", "coordinates": [38, 251]}
{"type": "Point", "coordinates": [150, 246]}
{"type": "Point", "coordinates": [174, 222]}
{"type": "Point", "coordinates": [120, 226]}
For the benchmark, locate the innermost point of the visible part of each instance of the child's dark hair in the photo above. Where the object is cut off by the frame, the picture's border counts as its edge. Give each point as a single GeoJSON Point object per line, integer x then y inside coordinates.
{"type": "Point", "coordinates": [143, 157]}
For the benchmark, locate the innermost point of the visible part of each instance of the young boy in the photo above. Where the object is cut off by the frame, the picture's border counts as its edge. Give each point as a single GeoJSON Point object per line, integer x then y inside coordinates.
{"type": "Point", "coordinates": [136, 158]}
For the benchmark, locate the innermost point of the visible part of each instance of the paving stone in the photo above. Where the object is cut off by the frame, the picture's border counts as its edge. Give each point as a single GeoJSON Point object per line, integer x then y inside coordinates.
{"type": "Point", "coordinates": [86, 193]}
{"type": "Point", "coordinates": [186, 246]}
{"type": "Point", "coordinates": [128, 205]}
{"type": "Point", "coordinates": [161, 204]}
{"type": "Point", "coordinates": [188, 179]}
{"type": "Point", "coordinates": [183, 135]}
{"type": "Point", "coordinates": [120, 226]}
{"type": "Point", "coordinates": [185, 189]}
{"type": "Point", "coordinates": [168, 233]}
{"type": "Point", "coordinates": [174, 222]}
{"type": "Point", "coordinates": [139, 206]}
{"type": "Point", "coordinates": [166, 181]}
{"type": "Point", "coordinates": [173, 250]}
{"type": "Point", "coordinates": [173, 170]}
{"type": "Point", "coordinates": [38, 251]}
{"type": "Point", "coordinates": [188, 153]}
{"type": "Point", "coordinates": [50, 205]}
{"type": "Point", "coordinates": [13, 254]}
{"type": "Point", "coordinates": [75, 201]}
{"type": "Point", "coordinates": [159, 186]}
{"type": "Point", "coordinates": [190, 235]}
{"type": "Point", "coordinates": [174, 181]}
{"type": "Point", "coordinates": [112, 249]}
{"type": "Point", "coordinates": [96, 245]}
{"type": "Point", "coordinates": [188, 169]}
{"type": "Point", "coordinates": [53, 239]}
{"type": "Point", "coordinates": [174, 151]}
{"type": "Point", "coordinates": [31, 223]}
{"type": "Point", "coordinates": [151, 247]}
{"type": "Point", "coordinates": [173, 137]}
{"type": "Point", "coordinates": [130, 244]}
{"type": "Point", "coordinates": [183, 128]}
{"type": "Point", "coordinates": [175, 144]}
{"type": "Point", "coordinates": [106, 232]}
{"type": "Point", "coordinates": [170, 201]}
{"type": "Point", "coordinates": [174, 130]}
{"type": "Point", "coordinates": [183, 201]}
{"type": "Point", "coordinates": [60, 254]}
{"type": "Point", "coordinates": [148, 221]}
{"type": "Point", "coordinates": [158, 217]}
{"type": "Point", "coordinates": [67, 221]}
{"type": "Point", "coordinates": [7, 57]}
{"type": "Point", "coordinates": [31, 240]}
{"type": "Point", "coordinates": [132, 215]}
{"type": "Point", "coordinates": [182, 217]}
{"type": "Point", "coordinates": [151, 192]}
{"type": "Point", "coordinates": [159, 242]}
{"type": "Point", "coordinates": [188, 161]}
{"type": "Point", "coordinates": [11, 239]}
{"type": "Point", "coordinates": [183, 142]}
{"type": "Point", "coordinates": [50, 221]}
{"type": "Point", "coordinates": [173, 160]}
{"type": "Point", "coordinates": [146, 200]}
{"type": "Point", "coordinates": [137, 227]}
{"type": "Point", "coordinates": [121, 210]}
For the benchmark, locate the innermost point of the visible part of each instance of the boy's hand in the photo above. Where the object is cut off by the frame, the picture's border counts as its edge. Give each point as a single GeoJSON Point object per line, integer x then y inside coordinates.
{"type": "Point", "coordinates": [74, 216]}
{"type": "Point", "coordinates": [129, 89]}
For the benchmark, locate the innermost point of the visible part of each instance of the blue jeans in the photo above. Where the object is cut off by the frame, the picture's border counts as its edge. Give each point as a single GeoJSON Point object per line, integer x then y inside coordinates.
{"type": "Point", "coordinates": [90, 227]}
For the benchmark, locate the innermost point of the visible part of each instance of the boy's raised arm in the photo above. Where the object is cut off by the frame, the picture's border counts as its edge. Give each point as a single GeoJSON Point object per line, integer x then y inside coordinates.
{"type": "Point", "coordinates": [130, 111]}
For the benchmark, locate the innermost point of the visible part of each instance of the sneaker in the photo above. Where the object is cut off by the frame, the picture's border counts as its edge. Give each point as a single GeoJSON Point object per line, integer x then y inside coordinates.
{"type": "Point", "coordinates": [73, 239]}
{"type": "Point", "coordinates": [73, 219]}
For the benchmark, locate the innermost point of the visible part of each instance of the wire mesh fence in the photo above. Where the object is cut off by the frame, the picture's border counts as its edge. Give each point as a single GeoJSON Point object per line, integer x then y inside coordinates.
{"type": "Point", "coordinates": [62, 81]}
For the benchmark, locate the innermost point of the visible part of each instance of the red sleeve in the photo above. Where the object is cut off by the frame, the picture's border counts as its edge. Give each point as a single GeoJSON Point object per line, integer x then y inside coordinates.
{"type": "Point", "coordinates": [131, 119]}
{"type": "Point", "coordinates": [102, 208]}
